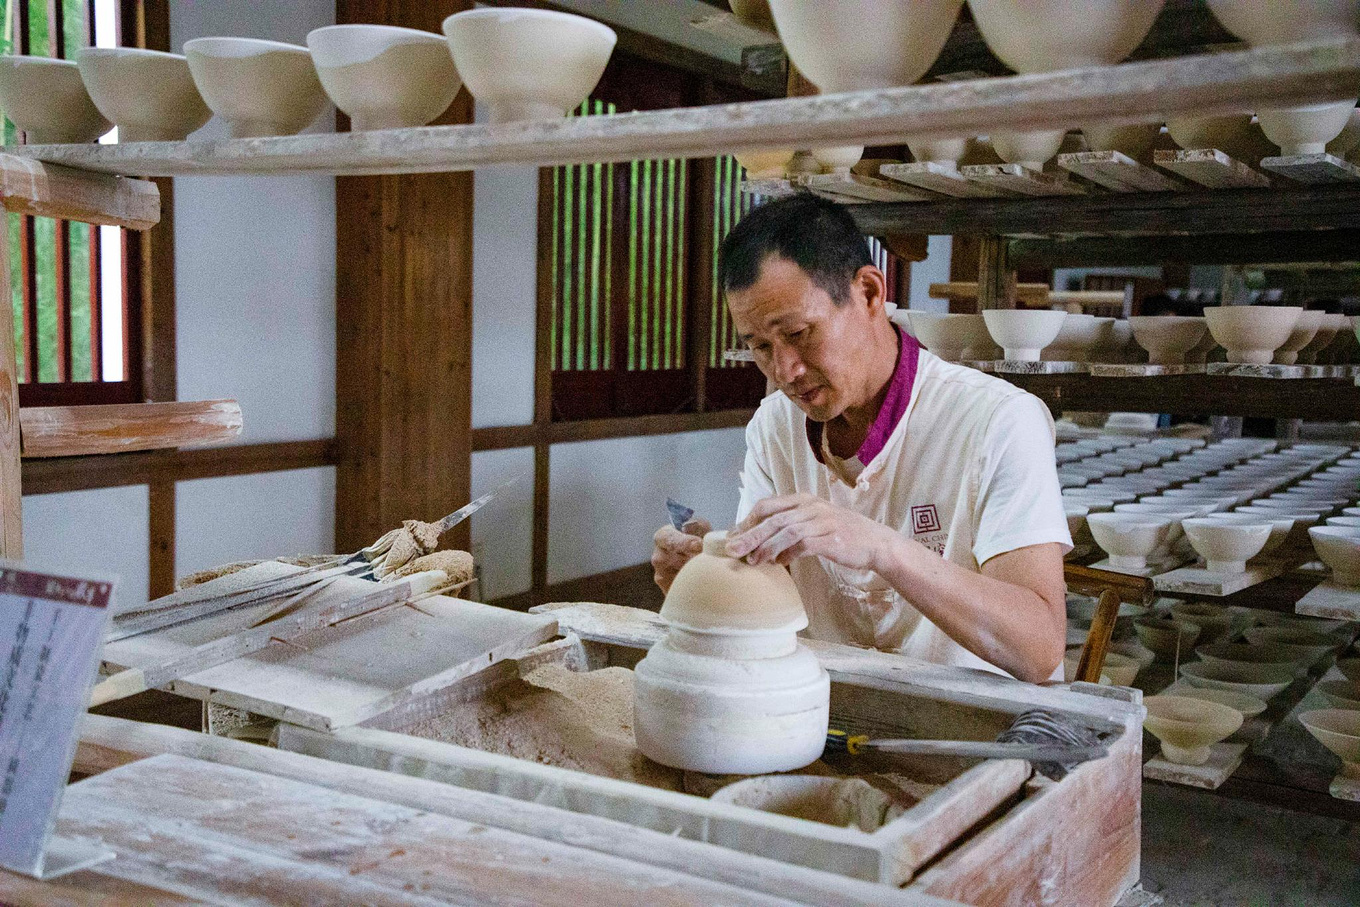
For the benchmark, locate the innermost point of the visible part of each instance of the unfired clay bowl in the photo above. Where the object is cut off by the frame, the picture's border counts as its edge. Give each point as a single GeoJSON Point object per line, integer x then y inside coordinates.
{"type": "Point", "coordinates": [384, 77]}
{"type": "Point", "coordinates": [714, 591]}
{"type": "Point", "coordinates": [765, 164]}
{"type": "Point", "coordinates": [838, 158]}
{"type": "Point", "coordinates": [1244, 653]}
{"type": "Point", "coordinates": [1029, 149]}
{"type": "Point", "coordinates": [1167, 338]}
{"type": "Point", "coordinates": [1251, 333]}
{"type": "Point", "coordinates": [949, 151]}
{"type": "Point", "coordinates": [1166, 637]}
{"type": "Point", "coordinates": [1305, 329]}
{"type": "Point", "coordinates": [1262, 22]}
{"type": "Point", "coordinates": [1128, 538]}
{"type": "Point", "coordinates": [1261, 681]}
{"type": "Point", "coordinates": [950, 337]}
{"type": "Point", "coordinates": [1023, 333]}
{"type": "Point", "coordinates": [1233, 134]}
{"type": "Point", "coordinates": [150, 95]}
{"type": "Point", "coordinates": [1306, 129]}
{"type": "Point", "coordinates": [1047, 35]}
{"type": "Point", "coordinates": [1280, 527]}
{"type": "Point", "coordinates": [1225, 546]}
{"type": "Point", "coordinates": [1340, 694]}
{"type": "Point", "coordinates": [1339, 548]}
{"type": "Point", "coordinates": [1302, 643]}
{"type": "Point", "coordinates": [848, 45]}
{"type": "Point", "coordinates": [1326, 333]}
{"type": "Point", "coordinates": [1136, 141]}
{"type": "Point", "coordinates": [1212, 619]}
{"type": "Point", "coordinates": [1249, 706]}
{"type": "Point", "coordinates": [47, 100]}
{"type": "Point", "coordinates": [528, 64]}
{"type": "Point", "coordinates": [1188, 727]}
{"type": "Point", "coordinates": [1339, 731]}
{"type": "Point", "coordinates": [1350, 669]}
{"type": "Point", "coordinates": [1081, 336]}
{"type": "Point", "coordinates": [258, 87]}
{"type": "Point", "coordinates": [1121, 669]}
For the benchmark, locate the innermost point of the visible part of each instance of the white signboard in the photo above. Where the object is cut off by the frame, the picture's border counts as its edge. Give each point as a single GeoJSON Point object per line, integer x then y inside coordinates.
{"type": "Point", "coordinates": [51, 630]}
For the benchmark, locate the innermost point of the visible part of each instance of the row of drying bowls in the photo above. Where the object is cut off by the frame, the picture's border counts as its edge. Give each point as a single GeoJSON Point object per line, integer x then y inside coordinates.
{"type": "Point", "coordinates": [848, 45]}
{"type": "Point", "coordinates": [381, 76]}
{"type": "Point", "coordinates": [1286, 335]}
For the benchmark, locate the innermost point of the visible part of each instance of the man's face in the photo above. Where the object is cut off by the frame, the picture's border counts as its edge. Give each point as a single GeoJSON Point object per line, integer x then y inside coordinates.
{"type": "Point", "coordinates": [805, 343]}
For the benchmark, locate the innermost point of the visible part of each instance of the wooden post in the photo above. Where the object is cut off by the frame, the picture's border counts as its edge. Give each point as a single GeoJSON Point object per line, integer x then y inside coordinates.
{"type": "Point", "coordinates": [996, 278]}
{"type": "Point", "coordinates": [11, 501]}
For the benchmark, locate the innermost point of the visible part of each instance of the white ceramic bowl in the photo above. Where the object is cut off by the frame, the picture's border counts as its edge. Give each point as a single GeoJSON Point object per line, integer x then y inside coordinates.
{"type": "Point", "coordinates": [847, 45]}
{"type": "Point", "coordinates": [1128, 538]}
{"type": "Point", "coordinates": [1226, 546]}
{"type": "Point", "coordinates": [1251, 333]}
{"type": "Point", "coordinates": [1262, 22]}
{"type": "Point", "coordinates": [1023, 333]}
{"type": "Point", "coordinates": [528, 64]}
{"type": "Point", "coordinates": [949, 151]}
{"type": "Point", "coordinates": [1136, 141]}
{"type": "Point", "coordinates": [1233, 134]}
{"type": "Point", "coordinates": [1306, 129]}
{"type": "Point", "coordinates": [150, 95]}
{"type": "Point", "coordinates": [950, 337]}
{"type": "Point", "coordinates": [1029, 149]}
{"type": "Point", "coordinates": [1339, 731]}
{"type": "Point", "coordinates": [384, 77]}
{"type": "Point", "coordinates": [1188, 727]}
{"type": "Point", "coordinates": [838, 158]}
{"type": "Point", "coordinates": [1249, 706]}
{"type": "Point", "coordinates": [47, 100]}
{"type": "Point", "coordinates": [258, 87]}
{"type": "Point", "coordinates": [1167, 338]}
{"type": "Point", "coordinates": [1280, 526]}
{"type": "Point", "coordinates": [1339, 548]}
{"type": "Point", "coordinates": [1046, 35]}
{"type": "Point", "coordinates": [1081, 336]}
{"type": "Point", "coordinates": [1305, 329]}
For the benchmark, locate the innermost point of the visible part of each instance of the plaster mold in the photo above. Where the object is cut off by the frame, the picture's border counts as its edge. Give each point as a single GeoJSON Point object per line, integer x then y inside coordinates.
{"type": "Point", "coordinates": [148, 94]}
{"type": "Point", "coordinates": [258, 87]}
{"type": "Point", "coordinates": [384, 77]}
{"type": "Point", "coordinates": [47, 100]}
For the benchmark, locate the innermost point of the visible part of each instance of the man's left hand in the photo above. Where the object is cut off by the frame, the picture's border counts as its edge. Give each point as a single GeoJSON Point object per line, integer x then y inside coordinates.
{"type": "Point", "coordinates": [780, 529]}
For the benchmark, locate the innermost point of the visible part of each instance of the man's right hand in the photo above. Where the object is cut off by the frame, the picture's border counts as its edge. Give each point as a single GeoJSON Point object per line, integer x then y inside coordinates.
{"type": "Point", "coordinates": [672, 548]}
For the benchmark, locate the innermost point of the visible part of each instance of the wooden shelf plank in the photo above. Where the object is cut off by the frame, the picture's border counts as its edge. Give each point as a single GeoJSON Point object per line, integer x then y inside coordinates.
{"type": "Point", "coordinates": [1211, 167]}
{"type": "Point", "coordinates": [1118, 172]}
{"type": "Point", "coordinates": [1019, 180]}
{"type": "Point", "coordinates": [1319, 399]}
{"type": "Point", "coordinates": [32, 187]}
{"type": "Point", "coordinates": [1200, 84]}
{"type": "Point", "coordinates": [69, 431]}
{"type": "Point", "coordinates": [941, 178]}
{"type": "Point", "coordinates": [1314, 168]}
{"type": "Point", "coordinates": [862, 188]}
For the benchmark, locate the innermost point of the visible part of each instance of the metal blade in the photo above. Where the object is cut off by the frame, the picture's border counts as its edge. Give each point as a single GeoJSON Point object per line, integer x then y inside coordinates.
{"type": "Point", "coordinates": [463, 513]}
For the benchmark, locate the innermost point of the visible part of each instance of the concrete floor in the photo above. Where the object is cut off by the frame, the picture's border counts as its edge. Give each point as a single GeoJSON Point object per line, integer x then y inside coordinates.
{"type": "Point", "coordinates": [1203, 850]}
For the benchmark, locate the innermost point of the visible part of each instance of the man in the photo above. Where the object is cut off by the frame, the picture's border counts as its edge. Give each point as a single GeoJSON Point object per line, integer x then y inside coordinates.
{"type": "Point", "coordinates": [915, 502]}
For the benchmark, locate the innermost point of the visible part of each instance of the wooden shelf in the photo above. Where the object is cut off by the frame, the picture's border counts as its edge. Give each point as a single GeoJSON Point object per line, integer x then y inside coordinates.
{"type": "Point", "coordinates": [69, 431]}
{"type": "Point", "coordinates": [1200, 84]}
{"type": "Point", "coordinates": [1312, 399]}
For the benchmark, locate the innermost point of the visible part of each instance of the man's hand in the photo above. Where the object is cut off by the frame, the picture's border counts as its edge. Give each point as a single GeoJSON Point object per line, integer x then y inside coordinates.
{"type": "Point", "coordinates": [673, 548]}
{"type": "Point", "coordinates": [780, 529]}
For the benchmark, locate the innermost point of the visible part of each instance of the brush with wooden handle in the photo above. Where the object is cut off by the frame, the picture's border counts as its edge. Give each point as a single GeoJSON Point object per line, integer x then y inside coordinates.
{"type": "Point", "coordinates": [1054, 744]}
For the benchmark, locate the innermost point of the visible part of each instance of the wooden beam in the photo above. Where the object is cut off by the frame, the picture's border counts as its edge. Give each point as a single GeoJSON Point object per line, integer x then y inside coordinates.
{"type": "Point", "coordinates": [31, 187]}
{"type": "Point", "coordinates": [403, 328]}
{"type": "Point", "coordinates": [161, 532]}
{"type": "Point", "coordinates": [1315, 399]}
{"type": "Point", "coordinates": [509, 436]}
{"type": "Point", "coordinates": [115, 470]}
{"type": "Point", "coordinates": [1128, 93]}
{"type": "Point", "coordinates": [1212, 248]}
{"type": "Point", "coordinates": [996, 286]}
{"type": "Point", "coordinates": [71, 431]}
{"type": "Point", "coordinates": [11, 503]}
{"type": "Point", "coordinates": [1222, 211]}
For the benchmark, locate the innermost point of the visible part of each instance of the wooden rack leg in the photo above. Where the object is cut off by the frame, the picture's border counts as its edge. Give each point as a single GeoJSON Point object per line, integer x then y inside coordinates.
{"type": "Point", "coordinates": [996, 279]}
{"type": "Point", "coordinates": [11, 501]}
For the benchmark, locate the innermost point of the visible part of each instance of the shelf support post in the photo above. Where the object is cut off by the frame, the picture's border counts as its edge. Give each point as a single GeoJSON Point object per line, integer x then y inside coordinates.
{"type": "Point", "coordinates": [11, 500]}
{"type": "Point", "coordinates": [996, 278]}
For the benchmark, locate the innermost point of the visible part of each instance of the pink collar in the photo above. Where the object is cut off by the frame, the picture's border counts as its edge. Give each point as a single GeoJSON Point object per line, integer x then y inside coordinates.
{"type": "Point", "coordinates": [890, 413]}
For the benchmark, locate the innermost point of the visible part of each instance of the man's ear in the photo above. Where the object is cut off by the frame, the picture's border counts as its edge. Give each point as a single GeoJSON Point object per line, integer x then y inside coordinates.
{"type": "Point", "coordinates": [872, 286]}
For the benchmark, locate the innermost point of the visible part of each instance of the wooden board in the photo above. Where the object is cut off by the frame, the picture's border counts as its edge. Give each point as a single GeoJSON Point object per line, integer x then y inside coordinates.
{"type": "Point", "coordinates": [1198, 84]}
{"type": "Point", "coordinates": [1313, 168]}
{"type": "Point", "coordinates": [1016, 179]}
{"type": "Point", "coordinates": [1016, 367]}
{"type": "Point", "coordinates": [768, 188]}
{"type": "Point", "coordinates": [31, 187]}
{"type": "Point", "coordinates": [1248, 370]}
{"type": "Point", "coordinates": [230, 835]}
{"type": "Point", "coordinates": [1211, 167]}
{"type": "Point", "coordinates": [1224, 758]}
{"type": "Point", "coordinates": [1134, 370]}
{"type": "Point", "coordinates": [1328, 599]}
{"type": "Point", "coordinates": [343, 674]}
{"type": "Point", "coordinates": [1118, 172]}
{"type": "Point", "coordinates": [1199, 581]}
{"type": "Point", "coordinates": [861, 188]}
{"type": "Point", "coordinates": [941, 178]}
{"type": "Point", "coordinates": [72, 431]}
{"type": "Point", "coordinates": [110, 742]}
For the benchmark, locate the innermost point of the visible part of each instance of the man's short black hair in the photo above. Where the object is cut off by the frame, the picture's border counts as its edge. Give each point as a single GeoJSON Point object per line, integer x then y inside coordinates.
{"type": "Point", "coordinates": [818, 235]}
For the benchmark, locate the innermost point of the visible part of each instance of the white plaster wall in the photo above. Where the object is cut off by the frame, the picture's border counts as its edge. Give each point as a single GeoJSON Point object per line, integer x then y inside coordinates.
{"type": "Point", "coordinates": [241, 518]}
{"type": "Point", "coordinates": [502, 531]}
{"type": "Point", "coordinates": [104, 531]}
{"type": "Point", "coordinates": [934, 269]}
{"type": "Point", "coordinates": [609, 497]}
{"type": "Point", "coordinates": [255, 261]}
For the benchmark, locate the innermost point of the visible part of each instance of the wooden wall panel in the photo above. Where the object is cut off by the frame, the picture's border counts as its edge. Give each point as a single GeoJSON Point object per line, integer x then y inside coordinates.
{"type": "Point", "coordinates": [403, 330]}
